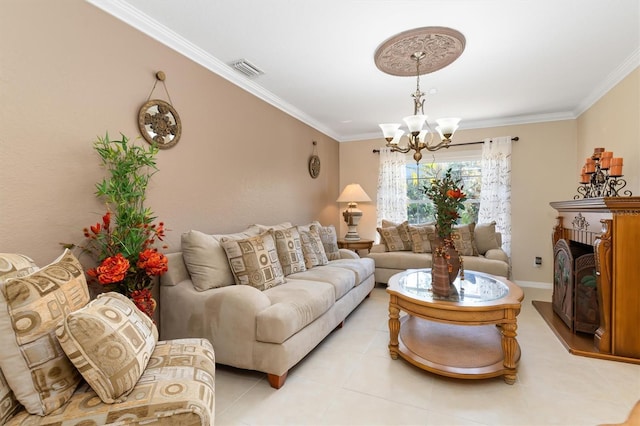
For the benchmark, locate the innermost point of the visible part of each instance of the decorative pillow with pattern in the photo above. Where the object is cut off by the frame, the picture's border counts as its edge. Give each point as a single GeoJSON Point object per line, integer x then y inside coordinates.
{"type": "Point", "coordinates": [484, 237]}
{"type": "Point", "coordinates": [396, 237]}
{"type": "Point", "coordinates": [8, 402]}
{"type": "Point", "coordinates": [289, 247]}
{"type": "Point", "coordinates": [110, 342]}
{"type": "Point", "coordinates": [312, 248]}
{"type": "Point", "coordinates": [14, 265]}
{"type": "Point", "coordinates": [254, 261]}
{"type": "Point", "coordinates": [420, 236]}
{"type": "Point", "coordinates": [462, 236]}
{"type": "Point", "coordinates": [329, 238]}
{"type": "Point", "coordinates": [31, 307]}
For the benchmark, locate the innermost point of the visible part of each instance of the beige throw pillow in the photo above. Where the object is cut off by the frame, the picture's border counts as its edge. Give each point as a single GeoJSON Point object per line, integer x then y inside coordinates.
{"type": "Point", "coordinates": [312, 248]}
{"type": "Point", "coordinates": [396, 237]}
{"type": "Point", "coordinates": [8, 402]}
{"type": "Point", "coordinates": [110, 342]}
{"type": "Point", "coordinates": [31, 307]}
{"type": "Point", "coordinates": [254, 261]}
{"type": "Point", "coordinates": [420, 237]}
{"type": "Point", "coordinates": [484, 236]}
{"type": "Point", "coordinates": [14, 265]}
{"type": "Point", "coordinates": [329, 238]}
{"type": "Point", "coordinates": [289, 247]}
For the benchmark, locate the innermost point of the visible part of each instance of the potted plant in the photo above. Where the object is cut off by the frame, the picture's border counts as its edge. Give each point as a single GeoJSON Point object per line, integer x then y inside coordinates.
{"type": "Point", "coordinates": [123, 243]}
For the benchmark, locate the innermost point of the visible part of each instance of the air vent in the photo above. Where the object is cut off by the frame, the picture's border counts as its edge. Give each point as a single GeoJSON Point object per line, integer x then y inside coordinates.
{"type": "Point", "coordinates": [247, 68]}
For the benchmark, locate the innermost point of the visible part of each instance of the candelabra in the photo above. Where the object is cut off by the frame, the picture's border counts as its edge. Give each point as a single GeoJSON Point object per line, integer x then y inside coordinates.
{"type": "Point", "coordinates": [602, 176]}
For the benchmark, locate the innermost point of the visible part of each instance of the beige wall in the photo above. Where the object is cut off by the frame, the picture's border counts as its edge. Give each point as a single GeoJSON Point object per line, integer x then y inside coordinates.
{"type": "Point", "coordinates": [70, 72]}
{"type": "Point", "coordinates": [614, 123]}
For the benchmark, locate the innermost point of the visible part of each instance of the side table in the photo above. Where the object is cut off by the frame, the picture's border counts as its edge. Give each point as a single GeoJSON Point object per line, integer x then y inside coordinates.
{"type": "Point", "coordinates": [356, 245]}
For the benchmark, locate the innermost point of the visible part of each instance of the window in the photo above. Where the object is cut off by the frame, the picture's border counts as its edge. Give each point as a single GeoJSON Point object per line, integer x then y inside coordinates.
{"type": "Point", "coordinates": [466, 168]}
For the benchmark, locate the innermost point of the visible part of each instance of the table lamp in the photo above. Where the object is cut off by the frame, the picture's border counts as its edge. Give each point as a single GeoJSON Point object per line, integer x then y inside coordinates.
{"type": "Point", "coordinates": [352, 194]}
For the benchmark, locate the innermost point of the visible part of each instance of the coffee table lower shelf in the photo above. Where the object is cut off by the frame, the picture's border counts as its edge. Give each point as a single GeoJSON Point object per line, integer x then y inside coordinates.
{"type": "Point", "coordinates": [459, 351]}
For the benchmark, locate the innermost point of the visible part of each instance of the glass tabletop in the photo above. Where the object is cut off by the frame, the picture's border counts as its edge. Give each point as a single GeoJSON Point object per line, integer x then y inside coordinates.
{"type": "Point", "coordinates": [474, 288]}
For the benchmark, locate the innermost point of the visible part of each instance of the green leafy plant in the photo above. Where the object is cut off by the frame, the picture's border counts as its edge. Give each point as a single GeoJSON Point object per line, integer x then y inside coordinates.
{"type": "Point", "coordinates": [123, 242]}
{"type": "Point", "coordinates": [448, 198]}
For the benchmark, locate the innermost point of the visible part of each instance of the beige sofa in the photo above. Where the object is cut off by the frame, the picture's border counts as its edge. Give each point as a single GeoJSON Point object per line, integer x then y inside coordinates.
{"type": "Point", "coordinates": [481, 242]}
{"type": "Point", "coordinates": [66, 360]}
{"type": "Point", "coordinates": [269, 329]}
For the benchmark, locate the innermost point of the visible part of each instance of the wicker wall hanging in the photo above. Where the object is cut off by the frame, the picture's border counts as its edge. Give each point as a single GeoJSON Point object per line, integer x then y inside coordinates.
{"type": "Point", "coordinates": [158, 120]}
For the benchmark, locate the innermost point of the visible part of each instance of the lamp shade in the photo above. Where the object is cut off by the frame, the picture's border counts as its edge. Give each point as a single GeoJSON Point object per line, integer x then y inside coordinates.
{"type": "Point", "coordinates": [353, 193]}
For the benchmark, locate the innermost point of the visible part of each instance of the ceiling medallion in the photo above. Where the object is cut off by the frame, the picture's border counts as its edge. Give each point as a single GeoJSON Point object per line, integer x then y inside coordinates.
{"type": "Point", "coordinates": [440, 45]}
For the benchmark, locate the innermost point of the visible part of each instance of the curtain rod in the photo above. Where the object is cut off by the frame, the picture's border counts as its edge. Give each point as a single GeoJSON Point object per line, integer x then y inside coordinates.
{"type": "Point", "coordinates": [515, 139]}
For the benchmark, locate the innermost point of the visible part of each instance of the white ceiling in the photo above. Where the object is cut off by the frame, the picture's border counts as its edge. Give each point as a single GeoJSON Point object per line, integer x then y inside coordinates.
{"type": "Point", "coordinates": [525, 60]}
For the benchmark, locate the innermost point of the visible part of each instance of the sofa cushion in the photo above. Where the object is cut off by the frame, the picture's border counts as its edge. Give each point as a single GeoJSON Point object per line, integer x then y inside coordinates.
{"type": "Point", "coordinates": [401, 260]}
{"type": "Point", "coordinates": [289, 248]}
{"type": "Point", "coordinates": [206, 260]}
{"type": "Point", "coordinates": [420, 237]}
{"type": "Point", "coordinates": [329, 238]}
{"type": "Point", "coordinates": [177, 388]}
{"type": "Point", "coordinates": [484, 236]}
{"type": "Point", "coordinates": [341, 279]}
{"type": "Point", "coordinates": [396, 236]}
{"type": "Point", "coordinates": [9, 405]}
{"type": "Point", "coordinates": [363, 267]}
{"type": "Point", "coordinates": [41, 375]}
{"type": "Point", "coordinates": [463, 239]}
{"type": "Point", "coordinates": [312, 248]}
{"type": "Point", "coordinates": [293, 306]}
{"type": "Point", "coordinates": [110, 342]}
{"type": "Point", "coordinates": [14, 265]}
{"type": "Point", "coordinates": [254, 261]}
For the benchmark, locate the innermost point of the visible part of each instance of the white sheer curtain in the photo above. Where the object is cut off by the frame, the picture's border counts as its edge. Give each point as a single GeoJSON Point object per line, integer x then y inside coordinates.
{"type": "Point", "coordinates": [392, 187]}
{"type": "Point", "coordinates": [495, 199]}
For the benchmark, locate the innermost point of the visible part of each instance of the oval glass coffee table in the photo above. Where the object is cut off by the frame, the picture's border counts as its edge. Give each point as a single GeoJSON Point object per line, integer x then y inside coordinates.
{"type": "Point", "coordinates": [469, 335]}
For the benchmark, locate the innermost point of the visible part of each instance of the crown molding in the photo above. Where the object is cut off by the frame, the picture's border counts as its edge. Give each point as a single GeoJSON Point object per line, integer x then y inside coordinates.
{"type": "Point", "coordinates": [630, 64]}
{"type": "Point", "coordinates": [131, 16]}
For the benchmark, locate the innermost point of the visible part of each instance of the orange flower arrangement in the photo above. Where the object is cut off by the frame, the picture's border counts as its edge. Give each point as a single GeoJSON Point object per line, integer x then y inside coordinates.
{"type": "Point", "coordinates": [123, 243]}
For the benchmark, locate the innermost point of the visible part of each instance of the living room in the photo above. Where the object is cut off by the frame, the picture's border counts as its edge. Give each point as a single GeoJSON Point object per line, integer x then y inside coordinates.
{"type": "Point", "coordinates": [72, 72]}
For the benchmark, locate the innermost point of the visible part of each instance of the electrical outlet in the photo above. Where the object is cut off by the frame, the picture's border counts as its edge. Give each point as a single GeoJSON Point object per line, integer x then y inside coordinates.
{"type": "Point", "coordinates": [537, 262]}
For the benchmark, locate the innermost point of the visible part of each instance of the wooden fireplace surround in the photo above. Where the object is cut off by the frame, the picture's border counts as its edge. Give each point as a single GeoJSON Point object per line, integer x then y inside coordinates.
{"type": "Point", "coordinates": [612, 227]}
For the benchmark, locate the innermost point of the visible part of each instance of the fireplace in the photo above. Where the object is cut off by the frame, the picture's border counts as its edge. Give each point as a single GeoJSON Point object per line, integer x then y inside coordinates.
{"type": "Point", "coordinates": [575, 296]}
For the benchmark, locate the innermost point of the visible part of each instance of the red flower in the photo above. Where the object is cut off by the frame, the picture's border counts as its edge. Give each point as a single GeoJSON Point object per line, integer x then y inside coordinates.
{"type": "Point", "coordinates": [112, 270]}
{"type": "Point", "coordinates": [95, 228]}
{"type": "Point", "coordinates": [153, 262]}
{"type": "Point", "coordinates": [455, 193]}
{"type": "Point", "coordinates": [106, 220]}
{"type": "Point", "coordinates": [143, 300]}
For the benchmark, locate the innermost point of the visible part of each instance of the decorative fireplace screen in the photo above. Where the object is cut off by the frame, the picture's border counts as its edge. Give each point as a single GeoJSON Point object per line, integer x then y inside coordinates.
{"type": "Point", "coordinates": [575, 298]}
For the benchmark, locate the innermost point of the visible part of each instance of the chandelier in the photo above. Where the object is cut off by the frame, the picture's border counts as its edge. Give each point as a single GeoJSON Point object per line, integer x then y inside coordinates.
{"type": "Point", "coordinates": [433, 48]}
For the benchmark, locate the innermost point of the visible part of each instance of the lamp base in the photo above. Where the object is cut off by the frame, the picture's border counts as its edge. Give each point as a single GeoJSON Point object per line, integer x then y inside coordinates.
{"type": "Point", "coordinates": [352, 217]}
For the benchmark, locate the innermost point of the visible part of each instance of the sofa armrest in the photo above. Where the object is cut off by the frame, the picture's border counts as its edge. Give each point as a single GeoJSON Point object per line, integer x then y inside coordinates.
{"type": "Point", "coordinates": [348, 254]}
{"type": "Point", "coordinates": [378, 248]}
{"type": "Point", "coordinates": [497, 254]}
{"type": "Point", "coordinates": [177, 271]}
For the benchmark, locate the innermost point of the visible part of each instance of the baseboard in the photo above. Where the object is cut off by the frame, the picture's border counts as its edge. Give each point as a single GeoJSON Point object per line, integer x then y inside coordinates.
{"type": "Point", "coordinates": [534, 284]}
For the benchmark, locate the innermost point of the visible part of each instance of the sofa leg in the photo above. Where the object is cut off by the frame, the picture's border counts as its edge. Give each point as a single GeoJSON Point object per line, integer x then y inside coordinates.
{"type": "Point", "coordinates": [276, 382]}
{"type": "Point", "coordinates": [340, 325]}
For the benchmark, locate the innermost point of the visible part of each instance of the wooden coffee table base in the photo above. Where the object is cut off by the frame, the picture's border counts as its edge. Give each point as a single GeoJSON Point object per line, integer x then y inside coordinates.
{"type": "Point", "coordinates": [459, 351]}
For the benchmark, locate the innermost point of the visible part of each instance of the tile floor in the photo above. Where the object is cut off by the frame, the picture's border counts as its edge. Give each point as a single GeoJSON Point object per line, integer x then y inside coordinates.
{"type": "Point", "coordinates": [349, 379]}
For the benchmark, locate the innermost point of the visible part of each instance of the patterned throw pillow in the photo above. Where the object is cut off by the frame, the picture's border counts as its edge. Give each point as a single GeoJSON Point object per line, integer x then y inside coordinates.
{"type": "Point", "coordinates": [396, 237]}
{"type": "Point", "coordinates": [463, 239]}
{"type": "Point", "coordinates": [8, 402]}
{"type": "Point", "coordinates": [312, 248]}
{"type": "Point", "coordinates": [420, 237]}
{"type": "Point", "coordinates": [254, 261]}
{"type": "Point", "coordinates": [110, 342]}
{"type": "Point", "coordinates": [289, 247]}
{"type": "Point", "coordinates": [31, 307]}
{"type": "Point", "coordinates": [329, 238]}
{"type": "Point", "coordinates": [14, 265]}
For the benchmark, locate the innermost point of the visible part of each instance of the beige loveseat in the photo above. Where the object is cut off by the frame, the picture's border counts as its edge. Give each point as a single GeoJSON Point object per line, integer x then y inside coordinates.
{"type": "Point", "coordinates": [268, 328]}
{"type": "Point", "coordinates": [408, 247]}
{"type": "Point", "coordinates": [70, 361]}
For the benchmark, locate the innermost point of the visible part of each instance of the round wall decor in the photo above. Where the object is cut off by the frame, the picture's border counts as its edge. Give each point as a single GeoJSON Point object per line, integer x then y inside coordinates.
{"type": "Point", "coordinates": [159, 122]}
{"type": "Point", "coordinates": [314, 166]}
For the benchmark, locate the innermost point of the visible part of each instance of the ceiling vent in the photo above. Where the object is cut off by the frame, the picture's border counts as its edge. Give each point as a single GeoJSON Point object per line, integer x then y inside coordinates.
{"type": "Point", "coordinates": [247, 68]}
